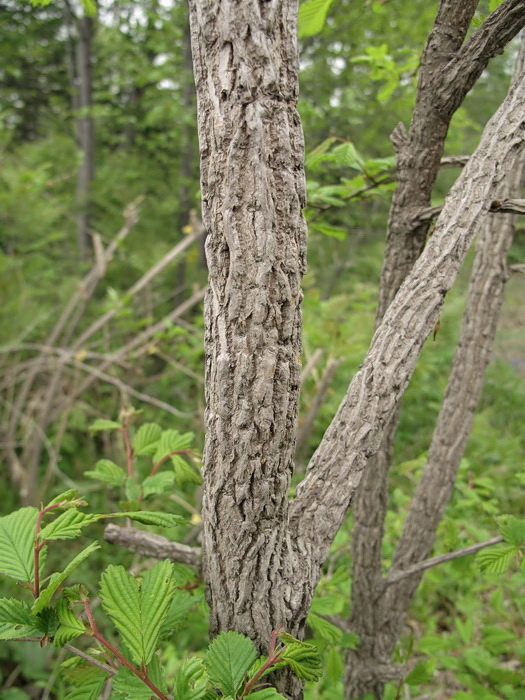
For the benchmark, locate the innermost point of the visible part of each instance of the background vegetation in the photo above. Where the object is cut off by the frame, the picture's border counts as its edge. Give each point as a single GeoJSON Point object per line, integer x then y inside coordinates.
{"type": "Point", "coordinates": [358, 82]}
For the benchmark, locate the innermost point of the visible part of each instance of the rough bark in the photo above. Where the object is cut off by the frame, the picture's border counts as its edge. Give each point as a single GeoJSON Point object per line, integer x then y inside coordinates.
{"type": "Point", "coordinates": [381, 616]}
{"type": "Point", "coordinates": [449, 68]}
{"type": "Point", "coordinates": [253, 190]}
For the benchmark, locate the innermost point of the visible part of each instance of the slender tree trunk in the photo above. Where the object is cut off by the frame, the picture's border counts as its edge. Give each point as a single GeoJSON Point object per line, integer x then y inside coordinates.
{"type": "Point", "coordinates": [380, 621]}
{"type": "Point", "coordinates": [85, 132]}
{"type": "Point", "coordinates": [449, 68]}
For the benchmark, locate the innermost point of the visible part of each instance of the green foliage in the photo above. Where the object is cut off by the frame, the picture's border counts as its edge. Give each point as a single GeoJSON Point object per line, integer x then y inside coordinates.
{"type": "Point", "coordinates": [138, 608]}
{"type": "Point", "coordinates": [16, 544]}
{"type": "Point", "coordinates": [312, 16]}
{"type": "Point", "coordinates": [228, 660]}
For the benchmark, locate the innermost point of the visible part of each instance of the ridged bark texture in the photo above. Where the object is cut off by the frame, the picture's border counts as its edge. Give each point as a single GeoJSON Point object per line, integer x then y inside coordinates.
{"type": "Point", "coordinates": [253, 190]}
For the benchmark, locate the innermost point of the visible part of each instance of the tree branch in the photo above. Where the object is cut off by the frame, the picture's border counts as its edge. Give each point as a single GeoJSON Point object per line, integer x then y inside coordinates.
{"type": "Point", "coordinates": [151, 545]}
{"type": "Point", "coordinates": [513, 206]}
{"type": "Point", "coordinates": [396, 576]}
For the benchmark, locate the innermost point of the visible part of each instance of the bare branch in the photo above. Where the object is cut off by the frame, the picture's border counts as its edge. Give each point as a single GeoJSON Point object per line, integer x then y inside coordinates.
{"type": "Point", "coordinates": [153, 545]}
{"type": "Point", "coordinates": [440, 559]}
{"type": "Point", "coordinates": [513, 206]}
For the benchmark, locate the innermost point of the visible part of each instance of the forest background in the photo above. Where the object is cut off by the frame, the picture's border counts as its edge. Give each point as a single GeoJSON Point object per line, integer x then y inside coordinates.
{"type": "Point", "coordinates": [99, 144]}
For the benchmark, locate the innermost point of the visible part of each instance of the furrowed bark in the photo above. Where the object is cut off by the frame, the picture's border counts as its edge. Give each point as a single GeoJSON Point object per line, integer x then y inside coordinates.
{"type": "Point", "coordinates": [449, 69]}
{"type": "Point", "coordinates": [355, 433]}
{"type": "Point", "coordinates": [253, 190]}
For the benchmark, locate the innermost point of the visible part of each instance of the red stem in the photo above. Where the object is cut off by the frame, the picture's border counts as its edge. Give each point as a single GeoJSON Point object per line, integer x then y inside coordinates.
{"type": "Point", "coordinates": [35, 587]}
{"type": "Point", "coordinates": [157, 466]}
{"type": "Point", "coordinates": [273, 658]}
{"type": "Point", "coordinates": [102, 640]}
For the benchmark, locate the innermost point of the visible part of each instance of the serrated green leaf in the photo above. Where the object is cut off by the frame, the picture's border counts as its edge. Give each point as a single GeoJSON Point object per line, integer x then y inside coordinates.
{"type": "Point", "coordinates": [312, 16]}
{"type": "Point", "coordinates": [180, 606]}
{"type": "Point", "coordinates": [333, 663]}
{"type": "Point", "coordinates": [331, 231]}
{"type": "Point", "coordinates": [138, 608]}
{"type": "Point", "coordinates": [148, 517]}
{"type": "Point", "coordinates": [57, 578]}
{"type": "Point", "coordinates": [17, 534]}
{"type": "Point", "coordinates": [191, 680]}
{"type": "Point", "coordinates": [145, 441]}
{"type": "Point", "coordinates": [133, 490]}
{"type": "Point", "coordinates": [465, 629]}
{"type": "Point", "coordinates": [158, 483]}
{"type": "Point", "coordinates": [330, 603]}
{"type": "Point", "coordinates": [69, 495]}
{"type": "Point", "coordinates": [346, 155]}
{"type": "Point", "coordinates": [170, 441]}
{"type": "Point", "coordinates": [266, 694]}
{"type": "Point", "coordinates": [69, 627]}
{"type": "Point", "coordinates": [67, 525]}
{"type": "Point", "coordinates": [107, 471]}
{"type": "Point", "coordinates": [319, 151]}
{"type": "Point", "coordinates": [16, 619]}
{"type": "Point", "coordinates": [47, 621]}
{"type": "Point", "coordinates": [104, 424]}
{"type": "Point", "coordinates": [89, 689]}
{"type": "Point", "coordinates": [228, 659]}
{"type": "Point", "coordinates": [302, 658]}
{"type": "Point", "coordinates": [496, 560]}
{"type": "Point", "coordinates": [512, 529]}
{"type": "Point", "coordinates": [422, 672]}
{"type": "Point", "coordinates": [130, 686]}
{"type": "Point", "coordinates": [185, 473]}
{"type": "Point", "coordinates": [324, 629]}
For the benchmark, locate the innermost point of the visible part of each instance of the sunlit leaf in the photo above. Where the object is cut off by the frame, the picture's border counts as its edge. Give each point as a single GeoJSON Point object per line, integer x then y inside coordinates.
{"type": "Point", "coordinates": [228, 659]}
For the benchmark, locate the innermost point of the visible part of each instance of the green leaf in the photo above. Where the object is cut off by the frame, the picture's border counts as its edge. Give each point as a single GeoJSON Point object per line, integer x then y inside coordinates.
{"type": "Point", "coordinates": [137, 607]}
{"type": "Point", "coordinates": [146, 439]}
{"type": "Point", "coordinates": [266, 694]}
{"type": "Point", "coordinates": [104, 424]}
{"type": "Point", "coordinates": [312, 16]}
{"type": "Point", "coordinates": [108, 471]}
{"type": "Point", "coordinates": [191, 680]}
{"type": "Point", "coordinates": [130, 686]}
{"type": "Point", "coordinates": [330, 603]}
{"type": "Point", "coordinates": [184, 472]}
{"type": "Point", "coordinates": [333, 663]}
{"type": "Point", "coordinates": [345, 154]}
{"type": "Point", "coordinates": [228, 659]}
{"type": "Point", "coordinates": [151, 517]}
{"type": "Point", "coordinates": [67, 526]}
{"type": "Point", "coordinates": [496, 560]}
{"type": "Point", "coordinates": [171, 441]}
{"type": "Point", "coordinates": [132, 489]}
{"type": "Point", "coordinates": [158, 483]}
{"type": "Point", "coordinates": [324, 629]}
{"type": "Point", "coordinates": [331, 231]}
{"type": "Point", "coordinates": [17, 535]}
{"type": "Point", "coordinates": [302, 658]}
{"type": "Point", "coordinates": [16, 619]}
{"type": "Point", "coordinates": [57, 578]}
{"type": "Point", "coordinates": [69, 627]}
{"type": "Point", "coordinates": [465, 629]}
{"type": "Point", "coordinates": [71, 495]}
{"type": "Point", "coordinates": [180, 606]}
{"type": "Point", "coordinates": [89, 689]}
{"type": "Point", "coordinates": [422, 672]}
{"type": "Point", "coordinates": [512, 529]}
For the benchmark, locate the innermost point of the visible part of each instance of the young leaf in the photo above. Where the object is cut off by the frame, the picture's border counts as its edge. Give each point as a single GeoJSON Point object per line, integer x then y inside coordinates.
{"type": "Point", "coordinates": [312, 16]}
{"type": "Point", "coordinates": [333, 664]}
{"type": "Point", "coordinates": [108, 471]}
{"type": "Point", "coordinates": [346, 155]}
{"type": "Point", "coordinates": [130, 686]}
{"type": "Point", "coordinates": [422, 672]}
{"type": "Point", "coordinates": [16, 619]}
{"type": "Point", "coordinates": [89, 689]}
{"type": "Point", "coordinates": [266, 694]}
{"type": "Point", "coordinates": [69, 627]}
{"type": "Point", "coordinates": [228, 659]}
{"type": "Point", "coordinates": [67, 526]}
{"type": "Point", "coordinates": [170, 441]}
{"type": "Point", "coordinates": [138, 608]}
{"type": "Point", "coordinates": [104, 424]}
{"type": "Point", "coordinates": [69, 496]}
{"type": "Point", "coordinates": [151, 518]}
{"type": "Point", "coordinates": [512, 529]}
{"type": "Point", "coordinates": [146, 439]}
{"type": "Point", "coordinates": [57, 578]}
{"type": "Point", "coordinates": [303, 658]}
{"type": "Point", "coordinates": [17, 535]}
{"type": "Point", "coordinates": [158, 483]}
{"type": "Point", "coordinates": [496, 560]}
{"type": "Point", "coordinates": [329, 230]}
{"type": "Point", "coordinates": [184, 472]}
{"type": "Point", "coordinates": [324, 629]}
{"type": "Point", "coordinates": [181, 604]}
{"type": "Point", "coordinates": [191, 680]}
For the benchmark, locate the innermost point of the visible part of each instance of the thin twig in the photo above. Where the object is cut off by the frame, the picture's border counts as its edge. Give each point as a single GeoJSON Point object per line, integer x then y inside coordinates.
{"type": "Point", "coordinates": [434, 561]}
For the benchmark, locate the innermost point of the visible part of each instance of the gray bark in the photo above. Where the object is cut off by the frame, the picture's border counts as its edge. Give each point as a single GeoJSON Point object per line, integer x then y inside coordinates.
{"type": "Point", "coordinates": [262, 557]}
{"type": "Point", "coordinates": [449, 68]}
{"type": "Point", "coordinates": [380, 617]}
